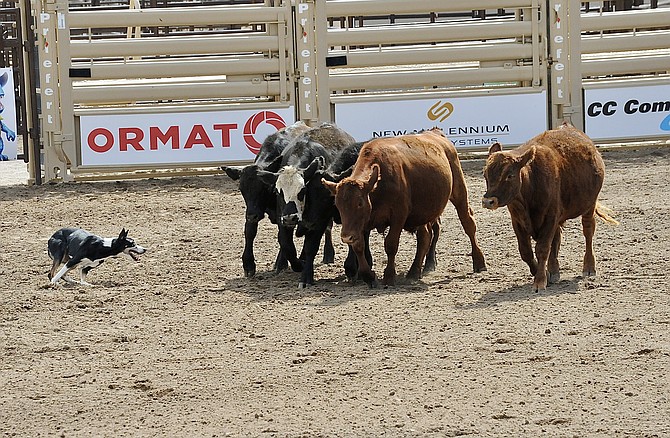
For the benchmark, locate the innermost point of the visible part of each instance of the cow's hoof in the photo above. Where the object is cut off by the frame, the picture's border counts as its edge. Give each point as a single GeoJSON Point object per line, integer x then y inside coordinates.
{"type": "Point", "coordinates": [479, 268]}
{"type": "Point", "coordinates": [539, 287]}
{"type": "Point", "coordinates": [589, 273]}
{"type": "Point", "coordinates": [554, 277]}
{"type": "Point", "coordinates": [250, 274]}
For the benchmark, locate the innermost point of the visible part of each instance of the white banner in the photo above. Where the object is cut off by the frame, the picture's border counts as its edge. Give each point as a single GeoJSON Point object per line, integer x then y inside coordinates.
{"type": "Point", "coordinates": [628, 112]}
{"type": "Point", "coordinates": [8, 145]}
{"type": "Point", "coordinates": [192, 137]}
{"type": "Point", "coordinates": [468, 121]}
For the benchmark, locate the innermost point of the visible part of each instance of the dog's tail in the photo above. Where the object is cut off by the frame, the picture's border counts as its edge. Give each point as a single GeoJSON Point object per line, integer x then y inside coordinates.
{"type": "Point", "coordinates": [604, 213]}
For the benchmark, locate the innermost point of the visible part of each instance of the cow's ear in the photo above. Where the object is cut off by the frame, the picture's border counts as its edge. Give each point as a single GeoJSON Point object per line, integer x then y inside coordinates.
{"type": "Point", "coordinates": [527, 156]}
{"type": "Point", "coordinates": [267, 178]}
{"type": "Point", "coordinates": [233, 172]}
{"type": "Point", "coordinates": [495, 147]}
{"type": "Point", "coordinates": [331, 186]}
{"type": "Point", "coordinates": [374, 178]}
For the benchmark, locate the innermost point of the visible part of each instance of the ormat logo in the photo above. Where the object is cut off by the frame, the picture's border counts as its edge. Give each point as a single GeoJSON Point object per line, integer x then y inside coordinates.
{"type": "Point", "coordinates": [250, 128]}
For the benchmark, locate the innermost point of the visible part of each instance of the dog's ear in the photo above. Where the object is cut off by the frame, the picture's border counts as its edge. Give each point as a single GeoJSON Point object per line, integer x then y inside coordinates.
{"type": "Point", "coordinates": [123, 234]}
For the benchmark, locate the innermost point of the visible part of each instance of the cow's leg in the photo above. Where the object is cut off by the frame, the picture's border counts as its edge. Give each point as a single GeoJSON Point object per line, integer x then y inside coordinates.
{"type": "Point", "coordinates": [391, 243]}
{"type": "Point", "coordinates": [248, 259]}
{"type": "Point", "coordinates": [287, 246]}
{"type": "Point", "coordinates": [424, 235]}
{"type": "Point", "coordinates": [310, 249]}
{"type": "Point", "coordinates": [431, 257]}
{"type": "Point", "coordinates": [459, 197]}
{"type": "Point", "coordinates": [525, 247]}
{"type": "Point", "coordinates": [542, 250]}
{"type": "Point", "coordinates": [328, 249]}
{"type": "Point", "coordinates": [365, 271]}
{"type": "Point", "coordinates": [351, 265]}
{"type": "Point", "coordinates": [589, 229]}
{"type": "Point", "coordinates": [552, 265]}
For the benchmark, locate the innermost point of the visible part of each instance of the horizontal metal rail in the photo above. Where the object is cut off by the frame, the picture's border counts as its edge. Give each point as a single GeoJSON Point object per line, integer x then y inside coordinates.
{"type": "Point", "coordinates": [183, 67]}
{"type": "Point", "coordinates": [643, 19]}
{"type": "Point", "coordinates": [625, 42]}
{"type": "Point", "coordinates": [635, 64]}
{"type": "Point", "coordinates": [411, 34]}
{"type": "Point", "coordinates": [350, 8]}
{"type": "Point", "coordinates": [434, 54]}
{"type": "Point", "coordinates": [195, 16]}
{"type": "Point", "coordinates": [173, 46]}
{"type": "Point", "coordinates": [122, 93]}
{"type": "Point", "coordinates": [413, 79]}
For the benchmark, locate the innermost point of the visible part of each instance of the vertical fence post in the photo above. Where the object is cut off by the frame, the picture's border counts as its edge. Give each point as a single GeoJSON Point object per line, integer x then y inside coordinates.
{"type": "Point", "coordinates": [326, 112]}
{"type": "Point", "coordinates": [575, 112]}
{"type": "Point", "coordinates": [306, 98]}
{"type": "Point", "coordinates": [55, 161]}
{"type": "Point", "coordinates": [565, 57]}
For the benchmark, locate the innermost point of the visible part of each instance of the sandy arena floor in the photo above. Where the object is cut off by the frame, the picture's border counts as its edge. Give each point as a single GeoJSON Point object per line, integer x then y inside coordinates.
{"type": "Point", "coordinates": [181, 344]}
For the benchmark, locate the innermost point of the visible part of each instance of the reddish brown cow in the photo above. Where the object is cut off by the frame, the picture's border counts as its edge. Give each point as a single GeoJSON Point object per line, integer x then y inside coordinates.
{"type": "Point", "coordinates": [551, 178]}
{"type": "Point", "coordinates": [402, 183]}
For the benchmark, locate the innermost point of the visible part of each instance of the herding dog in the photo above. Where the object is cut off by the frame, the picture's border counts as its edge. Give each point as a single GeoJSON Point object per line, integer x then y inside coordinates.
{"type": "Point", "coordinates": [77, 248]}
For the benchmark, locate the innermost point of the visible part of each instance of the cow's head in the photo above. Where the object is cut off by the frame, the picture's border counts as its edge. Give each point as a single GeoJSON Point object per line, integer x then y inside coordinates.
{"type": "Point", "coordinates": [352, 198]}
{"type": "Point", "coordinates": [319, 204]}
{"type": "Point", "coordinates": [503, 175]}
{"type": "Point", "coordinates": [258, 196]}
{"type": "Point", "coordinates": [290, 183]}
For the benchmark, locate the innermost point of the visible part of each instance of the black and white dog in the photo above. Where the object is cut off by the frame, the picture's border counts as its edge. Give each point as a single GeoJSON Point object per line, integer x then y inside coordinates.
{"type": "Point", "coordinates": [77, 248]}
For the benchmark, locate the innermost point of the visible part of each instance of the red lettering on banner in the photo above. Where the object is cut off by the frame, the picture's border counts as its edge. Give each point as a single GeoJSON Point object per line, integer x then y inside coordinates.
{"type": "Point", "coordinates": [156, 135]}
{"type": "Point", "coordinates": [198, 135]}
{"type": "Point", "coordinates": [93, 136]}
{"type": "Point", "coordinates": [125, 140]}
{"type": "Point", "coordinates": [225, 129]}
{"type": "Point", "coordinates": [102, 140]}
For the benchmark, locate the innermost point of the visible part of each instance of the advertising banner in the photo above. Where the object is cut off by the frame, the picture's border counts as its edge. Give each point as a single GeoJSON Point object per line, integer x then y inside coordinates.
{"type": "Point", "coordinates": [173, 138]}
{"type": "Point", "coordinates": [627, 112]}
{"type": "Point", "coordinates": [8, 144]}
{"type": "Point", "coordinates": [472, 122]}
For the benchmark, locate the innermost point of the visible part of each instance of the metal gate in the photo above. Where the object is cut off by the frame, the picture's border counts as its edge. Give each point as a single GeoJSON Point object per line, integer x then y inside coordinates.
{"type": "Point", "coordinates": [112, 80]}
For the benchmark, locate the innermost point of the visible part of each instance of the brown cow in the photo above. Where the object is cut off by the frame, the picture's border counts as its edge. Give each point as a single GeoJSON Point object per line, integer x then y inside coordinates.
{"type": "Point", "coordinates": [402, 183]}
{"type": "Point", "coordinates": [553, 177]}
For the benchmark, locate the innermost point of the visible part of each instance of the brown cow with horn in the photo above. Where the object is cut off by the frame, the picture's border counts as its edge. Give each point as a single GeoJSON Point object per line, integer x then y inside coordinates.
{"type": "Point", "coordinates": [401, 183]}
{"type": "Point", "coordinates": [553, 177]}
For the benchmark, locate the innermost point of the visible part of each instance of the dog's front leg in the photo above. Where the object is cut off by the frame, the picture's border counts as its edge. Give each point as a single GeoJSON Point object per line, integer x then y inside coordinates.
{"type": "Point", "coordinates": [64, 270]}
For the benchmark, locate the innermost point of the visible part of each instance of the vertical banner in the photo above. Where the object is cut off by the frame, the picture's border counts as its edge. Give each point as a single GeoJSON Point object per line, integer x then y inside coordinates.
{"type": "Point", "coordinates": [8, 144]}
{"type": "Point", "coordinates": [558, 31]}
{"type": "Point", "coordinates": [307, 106]}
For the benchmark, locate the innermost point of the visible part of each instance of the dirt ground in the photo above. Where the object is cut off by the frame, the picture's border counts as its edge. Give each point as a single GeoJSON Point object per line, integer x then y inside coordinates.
{"type": "Point", "coordinates": [181, 344]}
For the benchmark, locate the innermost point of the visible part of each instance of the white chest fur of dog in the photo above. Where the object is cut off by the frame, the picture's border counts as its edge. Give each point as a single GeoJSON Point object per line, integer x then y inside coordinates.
{"type": "Point", "coordinates": [76, 248]}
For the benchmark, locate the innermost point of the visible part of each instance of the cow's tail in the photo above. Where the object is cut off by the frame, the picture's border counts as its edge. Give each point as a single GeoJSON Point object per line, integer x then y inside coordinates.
{"type": "Point", "coordinates": [604, 213]}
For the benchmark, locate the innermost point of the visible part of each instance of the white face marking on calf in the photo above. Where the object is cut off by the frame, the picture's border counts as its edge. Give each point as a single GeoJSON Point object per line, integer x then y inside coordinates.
{"type": "Point", "coordinates": [290, 182]}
